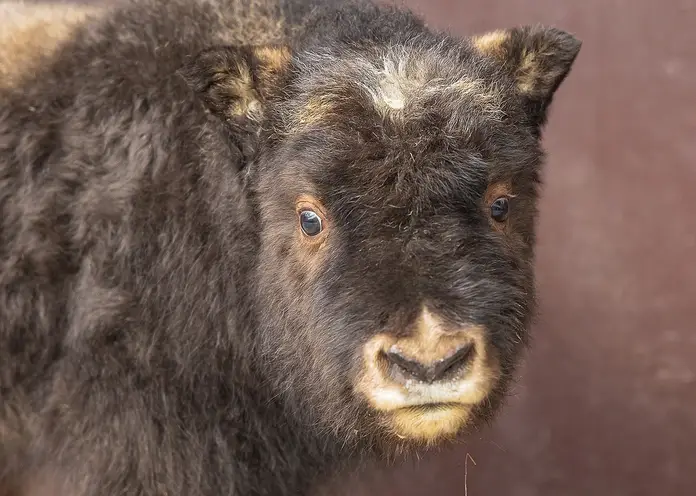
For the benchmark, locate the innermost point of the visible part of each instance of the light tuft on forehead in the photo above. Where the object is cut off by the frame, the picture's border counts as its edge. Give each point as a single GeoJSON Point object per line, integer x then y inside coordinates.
{"type": "Point", "coordinates": [394, 83]}
{"type": "Point", "coordinates": [408, 77]}
{"type": "Point", "coordinates": [399, 82]}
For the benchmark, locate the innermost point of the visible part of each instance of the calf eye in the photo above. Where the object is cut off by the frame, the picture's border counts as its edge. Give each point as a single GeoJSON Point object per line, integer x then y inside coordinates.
{"type": "Point", "coordinates": [310, 223]}
{"type": "Point", "coordinates": [499, 209]}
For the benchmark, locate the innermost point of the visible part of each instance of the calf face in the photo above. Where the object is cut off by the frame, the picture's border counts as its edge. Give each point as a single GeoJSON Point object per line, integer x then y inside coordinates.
{"type": "Point", "coordinates": [394, 176]}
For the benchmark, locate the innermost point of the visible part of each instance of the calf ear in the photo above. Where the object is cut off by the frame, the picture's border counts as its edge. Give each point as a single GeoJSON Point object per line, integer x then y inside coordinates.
{"type": "Point", "coordinates": [538, 58]}
{"type": "Point", "coordinates": [235, 82]}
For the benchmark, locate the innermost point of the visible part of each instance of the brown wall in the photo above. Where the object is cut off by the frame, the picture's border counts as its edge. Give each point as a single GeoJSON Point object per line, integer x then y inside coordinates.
{"type": "Point", "coordinates": [607, 402]}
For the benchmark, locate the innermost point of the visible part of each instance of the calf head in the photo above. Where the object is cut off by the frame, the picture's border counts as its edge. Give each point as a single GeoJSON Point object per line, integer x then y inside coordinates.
{"type": "Point", "coordinates": [393, 172]}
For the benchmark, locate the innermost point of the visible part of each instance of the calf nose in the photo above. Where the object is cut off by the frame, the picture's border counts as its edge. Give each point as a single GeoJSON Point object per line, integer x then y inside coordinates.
{"type": "Point", "coordinates": [439, 369]}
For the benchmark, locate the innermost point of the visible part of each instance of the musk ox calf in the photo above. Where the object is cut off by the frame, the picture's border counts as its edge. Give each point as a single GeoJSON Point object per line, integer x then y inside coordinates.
{"type": "Point", "coordinates": [245, 244]}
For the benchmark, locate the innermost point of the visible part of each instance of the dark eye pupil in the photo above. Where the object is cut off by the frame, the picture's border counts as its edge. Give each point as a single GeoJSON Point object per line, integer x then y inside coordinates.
{"type": "Point", "coordinates": [310, 223]}
{"type": "Point", "coordinates": [499, 209]}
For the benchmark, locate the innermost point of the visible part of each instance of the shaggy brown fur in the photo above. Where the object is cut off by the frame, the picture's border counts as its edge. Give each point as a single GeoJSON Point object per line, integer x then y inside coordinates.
{"type": "Point", "coordinates": [31, 33]}
{"type": "Point", "coordinates": [166, 326]}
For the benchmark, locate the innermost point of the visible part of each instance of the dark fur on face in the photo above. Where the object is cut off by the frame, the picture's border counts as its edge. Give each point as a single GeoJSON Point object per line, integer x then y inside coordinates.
{"type": "Point", "coordinates": [168, 326]}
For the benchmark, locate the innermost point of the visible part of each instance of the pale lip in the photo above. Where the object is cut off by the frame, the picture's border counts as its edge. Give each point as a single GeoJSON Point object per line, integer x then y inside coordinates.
{"type": "Point", "coordinates": [414, 394]}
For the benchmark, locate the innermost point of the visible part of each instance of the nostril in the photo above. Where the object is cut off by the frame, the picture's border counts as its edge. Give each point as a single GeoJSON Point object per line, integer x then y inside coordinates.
{"type": "Point", "coordinates": [429, 372]}
{"type": "Point", "coordinates": [409, 368]}
{"type": "Point", "coordinates": [442, 368]}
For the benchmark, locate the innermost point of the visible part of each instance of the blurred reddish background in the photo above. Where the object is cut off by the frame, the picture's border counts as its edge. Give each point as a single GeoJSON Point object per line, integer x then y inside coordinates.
{"type": "Point", "coordinates": [606, 404]}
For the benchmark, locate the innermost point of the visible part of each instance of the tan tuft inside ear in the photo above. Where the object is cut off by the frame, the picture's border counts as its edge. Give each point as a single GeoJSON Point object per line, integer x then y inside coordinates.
{"type": "Point", "coordinates": [245, 99]}
{"type": "Point", "coordinates": [492, 44]}
{"type": "Point", "coordinates": [273, 58]}
{"type": "Point", "coordinates": [272, 62]}
{"type": "Point", "coordinates": [236, 81]}
{"type": "Point", "coordinates": [538, 57]}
